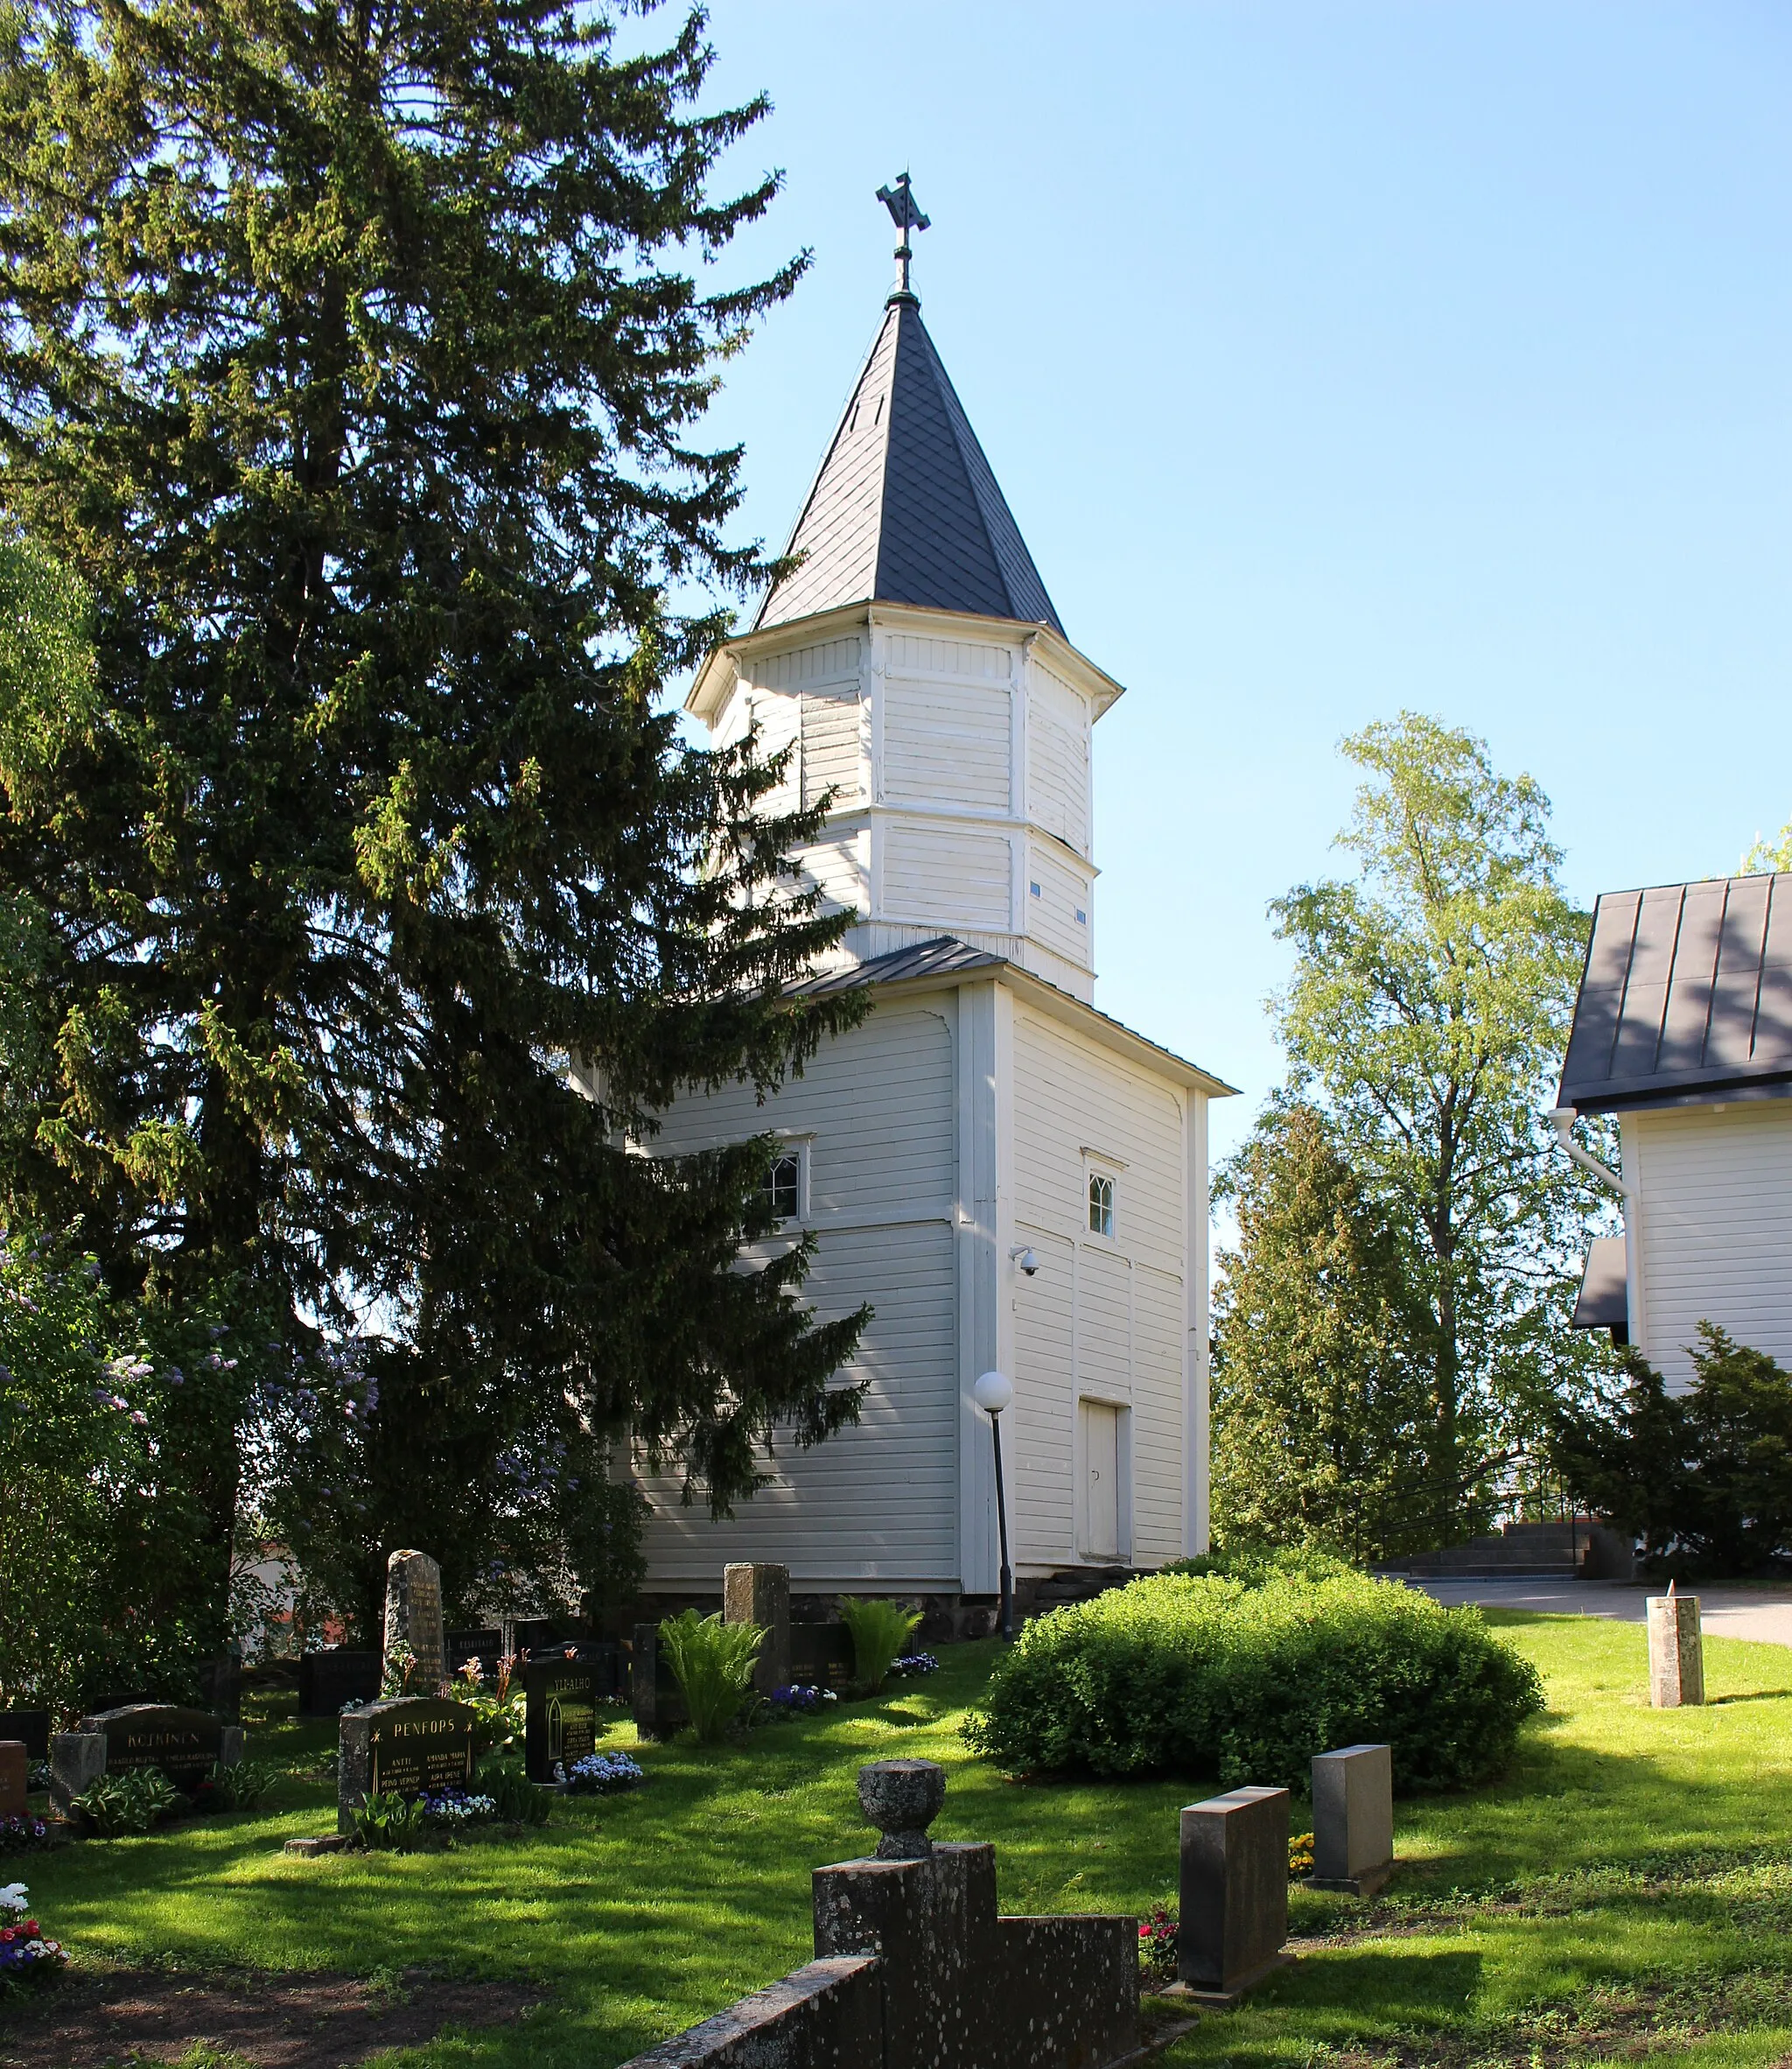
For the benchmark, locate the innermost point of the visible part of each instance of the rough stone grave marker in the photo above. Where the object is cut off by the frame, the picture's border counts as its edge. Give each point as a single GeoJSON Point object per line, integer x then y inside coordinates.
{"type": "Point", "coordinates": [414, 1617]}
{"type": "Point", "coordinates": [15, 1773]}
{"type": "Point", "coordinates": [406, 1744]}
{"type": "Point", "coordinates": [1676, 1651]}
{"type": "Point", "coordinates": [1353, 1820]}
{"type": "Point", "coordinates": [1234, 1916]}
{"type": "Point", "coordinates": [760, 1593]}
{"type": "Point", "coordinates": [560, 1714]}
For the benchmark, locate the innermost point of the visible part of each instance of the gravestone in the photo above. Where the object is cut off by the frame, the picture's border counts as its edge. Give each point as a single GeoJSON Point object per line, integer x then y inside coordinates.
{"type": "Point", "coordinates": [1234, 1916]}
{"type": "Point", "coordinates": [485, 1646]}
{"type": "Point", "coordinates": [184, 1743]}
{"type": "Point", "coordinates": [822, 1656]}
{"type": "Point", "coordinates": [535, 1634]}
{"type": "Point", "coordinates": [761, 1594]}
{"type": "Point", "coordinates": [409, 1745]}
{"type": "Point", "coordinates": [337, 1675]}
{"type": "Point", "coordinates": [1676, 1651]}
{"type": "Point", "coordinates": [31, 1728]}
{"type": "Point", "coordinates": [414, 1615]}
{"type": "Point", "coordinates": [1353, 1820]}
{"type": "Point", "coordinates": [560, 1714]}
{"type": "Point", "coordinates": [15, 1771]}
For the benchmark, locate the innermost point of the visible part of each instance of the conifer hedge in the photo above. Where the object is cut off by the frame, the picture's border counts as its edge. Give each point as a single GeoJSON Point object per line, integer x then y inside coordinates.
{"type": "Point", "coordinates": [1244, 1679]}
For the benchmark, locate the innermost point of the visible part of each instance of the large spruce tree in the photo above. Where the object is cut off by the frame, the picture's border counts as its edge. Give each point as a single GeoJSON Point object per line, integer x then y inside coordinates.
{"type": "Point", "coordinates": [353, 363]}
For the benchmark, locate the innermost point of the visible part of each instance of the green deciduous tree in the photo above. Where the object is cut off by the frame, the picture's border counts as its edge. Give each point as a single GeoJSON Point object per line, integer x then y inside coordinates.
{"type": "Point", "coordinates": [1321, 1385]}
{"type": "Point", "coordinates": [1769, 854]}
{"type": "Point", "coordinates": [353, 366]}
{"type": "Point", "coordinates": [1427, 1015]}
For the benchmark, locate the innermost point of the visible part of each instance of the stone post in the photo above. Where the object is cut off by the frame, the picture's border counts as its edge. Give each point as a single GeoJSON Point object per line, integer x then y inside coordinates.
{"type": "Point", "coordinates": [1353, 1820]}
{"type": "Point", "coordinates": [77, 1760]}
{"type": "Point", "coordinates": [1235, 1894]}
{"type": "Point", "coordinates": [414, 1614]}
{"type": "Point", "coordinates": [755, 1594]}
{"type": "Point", "coordinates": [14, 1777]}
{"type": "Point", "coordinates": [1676, 1651]}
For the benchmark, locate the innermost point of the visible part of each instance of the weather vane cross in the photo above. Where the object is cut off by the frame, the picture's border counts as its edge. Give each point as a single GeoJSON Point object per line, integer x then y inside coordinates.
{"type": "Point", "coordinates": [905, 212]}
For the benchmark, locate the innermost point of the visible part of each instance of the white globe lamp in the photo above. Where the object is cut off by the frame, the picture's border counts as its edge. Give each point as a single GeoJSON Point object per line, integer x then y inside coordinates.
{"type": "Point", "coordinates": [993, 1392]}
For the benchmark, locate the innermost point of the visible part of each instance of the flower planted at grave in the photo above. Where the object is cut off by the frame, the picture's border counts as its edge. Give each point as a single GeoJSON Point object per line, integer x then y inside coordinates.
{"type": "Point", "coordinates": [604, 1774]}
{"type": "Point", "coordinates": [26, 1958]}
{"type": "Point", "coordinates": [912, 1666]}
{"type": "Point", "coordinates": [1299, 1855]}
{"type": "Point", "coordinates": [1156, 1948]}
{"type": "Point", "coordinates": [25, 1835]}
{"type": "Point", "coordinates": [800, 1699]}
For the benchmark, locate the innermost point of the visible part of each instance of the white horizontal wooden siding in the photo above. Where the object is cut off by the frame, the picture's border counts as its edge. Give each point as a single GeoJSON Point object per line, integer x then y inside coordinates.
{"type": "Point", "coordinates": [1102, 1320]}
{"type": "Point", "coordinates": [947, 743]}
{"type": "Point", "coordinates": [946, 876]}
{"type": "Point", "coordinates": [879, 1503]}
{"type": "Point", "coordinates": [1057, 758]}
{"type": "Point", "coordinates": [1716, 1231]}
{"type": "Point", "coordinates": [1064, 892]}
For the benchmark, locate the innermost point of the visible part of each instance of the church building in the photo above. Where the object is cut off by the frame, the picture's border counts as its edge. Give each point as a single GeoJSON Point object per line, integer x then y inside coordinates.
{"type": "Point", "coordinates": [1010, 1178]}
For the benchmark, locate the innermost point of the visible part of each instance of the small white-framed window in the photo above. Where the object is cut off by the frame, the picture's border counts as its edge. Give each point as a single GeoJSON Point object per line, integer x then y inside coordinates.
{"type": "Point", "coordinates": [783, 1184]}
{"type": "Point", "coordinates": [1101, 1203]}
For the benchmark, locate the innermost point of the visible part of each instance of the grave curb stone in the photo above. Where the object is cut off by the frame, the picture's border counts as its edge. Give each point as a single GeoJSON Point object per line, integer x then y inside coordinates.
{"type": "Point", "coordinates": [1353, 1820]}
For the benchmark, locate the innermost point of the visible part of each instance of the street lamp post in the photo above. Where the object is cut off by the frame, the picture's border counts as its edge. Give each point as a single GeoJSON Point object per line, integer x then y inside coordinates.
{"type": "Point", "coordinates": [992, 1394]}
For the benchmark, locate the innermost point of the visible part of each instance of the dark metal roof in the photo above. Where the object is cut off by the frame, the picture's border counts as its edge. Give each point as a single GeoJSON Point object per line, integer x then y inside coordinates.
{"type": "Point", "coordinates": [905, 508]}
{"type": "Point", "coordinates": [1686, 987]}
{"type": "Point", "coordinates": [941, 956]}
{"type": "Point", "coordinates": [1604, 1300]}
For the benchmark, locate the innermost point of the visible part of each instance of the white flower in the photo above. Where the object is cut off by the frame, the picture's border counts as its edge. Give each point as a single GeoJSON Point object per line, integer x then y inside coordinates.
{"type": "Point", "coordinates": [15, 1897]}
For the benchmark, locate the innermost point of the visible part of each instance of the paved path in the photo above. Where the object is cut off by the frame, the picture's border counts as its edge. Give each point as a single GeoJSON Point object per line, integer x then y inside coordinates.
{"type": "Point", "coordinates": [1727, 1612]}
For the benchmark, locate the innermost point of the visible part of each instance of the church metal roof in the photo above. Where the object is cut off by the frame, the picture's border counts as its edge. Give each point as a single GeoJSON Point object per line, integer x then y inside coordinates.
{"type": "Point", "coordinates": [944, 956]}
{"type": "Point", "coordinates": [905, 508]}
{"type": "Point", "coordinates": [1687, 990]}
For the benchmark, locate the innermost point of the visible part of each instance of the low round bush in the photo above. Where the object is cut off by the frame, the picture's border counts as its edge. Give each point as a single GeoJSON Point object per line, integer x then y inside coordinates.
{"type": "Point", "coordinates": [1244, 1680]}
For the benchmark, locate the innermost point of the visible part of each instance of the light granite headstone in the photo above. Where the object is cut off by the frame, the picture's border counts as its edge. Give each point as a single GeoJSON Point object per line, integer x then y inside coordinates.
{"type": "Point", "coordinates": [761, 1594]}
{"type": "Point", "coordinates": [414, 1616]}
{"type": "Point", "coordinates": [1234, 1916]}
{"type": "Point", "coordinates": [1352, 1818]}
{"type": "Point", "coordinates": [1676, 1651]}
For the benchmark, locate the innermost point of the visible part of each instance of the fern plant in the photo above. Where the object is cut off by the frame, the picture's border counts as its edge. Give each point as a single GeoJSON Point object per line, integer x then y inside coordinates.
{"type": "Point", "coordinates": [713, 1662]}
{"type": "Point", "coordinates": [880, 1630]}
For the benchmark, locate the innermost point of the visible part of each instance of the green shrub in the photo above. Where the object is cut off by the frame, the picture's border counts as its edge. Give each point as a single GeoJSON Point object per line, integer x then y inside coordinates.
{"type": "Point", "coordinates": [881, 1628]}
{"type": "Point", "coordinates": [713, 1662]}
{"type": "Point", "coordinates": [516, 1800]}
{"type": "Point", "coordinates": [134, 1802]}
{"type": "Point", "coordinates": [389, 1823]}
{"type": "Point", "coordinates": [1245, 1683]}
{"type": "Point", "coordinates": [244, 1786]}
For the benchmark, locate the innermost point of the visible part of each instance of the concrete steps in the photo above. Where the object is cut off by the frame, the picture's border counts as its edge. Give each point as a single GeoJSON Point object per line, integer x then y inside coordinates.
{"type": "Point", "coordinates": [1520, 1552]}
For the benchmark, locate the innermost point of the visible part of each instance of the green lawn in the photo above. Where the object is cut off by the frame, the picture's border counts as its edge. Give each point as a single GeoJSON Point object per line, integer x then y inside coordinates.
{"type": "Point", "coordinates": [1629, 1888]}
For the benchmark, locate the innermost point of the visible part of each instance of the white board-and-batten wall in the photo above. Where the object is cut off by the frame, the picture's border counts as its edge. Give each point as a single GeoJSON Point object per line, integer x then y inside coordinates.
{"type": "Point", "coordinates": [1710, 1228]}
{"type": "Point", "coordinates": [956, 1127]}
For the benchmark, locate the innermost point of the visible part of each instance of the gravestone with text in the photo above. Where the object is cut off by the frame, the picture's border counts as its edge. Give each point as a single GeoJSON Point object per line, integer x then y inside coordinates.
{"type": "Point", "coordinates": [184, 1743]}
{"type": "Point", "coordinates": [405, 1746]}
{"type": "Point", "coordinates": [414, 1619]}
{"type": "Point", "coordinates": [561, 1717]}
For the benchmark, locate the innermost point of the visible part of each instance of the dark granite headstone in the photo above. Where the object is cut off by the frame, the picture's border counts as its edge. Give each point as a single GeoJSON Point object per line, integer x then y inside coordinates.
{"type": "Point", "coordinates": [1235, 1893]}
{"type": "Point", "coordinates": [535, 1634]}
{"type": "Point", "coordinates": [408, 1745]}
{"type": "Point", "coordinates": [31, 1729]}
{"type": "Point", "coordinates": [1352, 1818]}
{"type": "Point", "coordinates": [485, 1646]}
{"type": "Point", "coordinates": [821, 1655]}
{"type": "Point", "coordinates": [560, 1714]}
{"type": "Point", "coordinates": [336, 1675]}
{"type": "Point", "coordinates": [184, 1743]}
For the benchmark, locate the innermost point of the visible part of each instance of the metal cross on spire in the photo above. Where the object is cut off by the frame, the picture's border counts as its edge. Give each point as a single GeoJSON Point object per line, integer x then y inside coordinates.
{"type": "Point", "coordinates": [905, 212]}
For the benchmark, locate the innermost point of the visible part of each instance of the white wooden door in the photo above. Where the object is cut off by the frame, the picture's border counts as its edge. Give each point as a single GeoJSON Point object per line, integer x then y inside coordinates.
{"type": "Point", "coordinates": [1101, 1469]}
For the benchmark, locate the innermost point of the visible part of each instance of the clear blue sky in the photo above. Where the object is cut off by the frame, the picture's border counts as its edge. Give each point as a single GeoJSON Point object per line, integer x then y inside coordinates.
{"type": "Point", "coordinates": [1334, 358]}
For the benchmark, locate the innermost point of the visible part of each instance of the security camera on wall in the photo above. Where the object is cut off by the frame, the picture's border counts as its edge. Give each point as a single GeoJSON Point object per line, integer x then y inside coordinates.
{"type": "Point", "coordinates": [1027, 1259]}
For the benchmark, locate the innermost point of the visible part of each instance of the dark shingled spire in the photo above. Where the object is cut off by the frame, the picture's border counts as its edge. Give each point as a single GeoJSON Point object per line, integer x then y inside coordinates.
{"type": "Point", "coordinates": [904, 509]}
